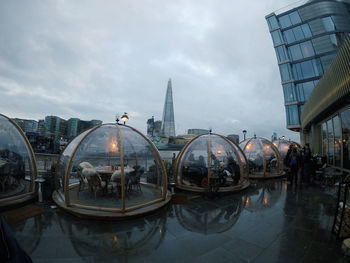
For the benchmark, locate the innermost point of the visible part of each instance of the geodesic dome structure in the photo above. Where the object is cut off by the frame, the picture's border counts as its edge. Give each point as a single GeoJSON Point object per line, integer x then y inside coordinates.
{"type": "Point", "coordinates": [283, 146]}
{"type": "Point", "coordinates": [263, 158]}
{"type": "Point", "coordinates": [18, 169]}
{"type": "Point", "coordinates": [111, 171]}
{"type": "Point", "coordinates": [211, 162]}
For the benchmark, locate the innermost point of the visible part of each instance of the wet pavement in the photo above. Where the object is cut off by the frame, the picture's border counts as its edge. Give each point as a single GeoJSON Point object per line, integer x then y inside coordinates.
{"type": "Point", "coordinates": [268, 222]}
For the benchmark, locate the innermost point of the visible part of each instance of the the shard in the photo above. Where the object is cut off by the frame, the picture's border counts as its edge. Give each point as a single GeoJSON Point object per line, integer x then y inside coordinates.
{"type": "Point", "coordinates": [168, 121]}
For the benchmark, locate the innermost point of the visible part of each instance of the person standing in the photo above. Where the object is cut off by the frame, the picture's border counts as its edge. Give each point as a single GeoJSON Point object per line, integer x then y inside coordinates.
{"type": "Point", "coordinates": [295, 164]}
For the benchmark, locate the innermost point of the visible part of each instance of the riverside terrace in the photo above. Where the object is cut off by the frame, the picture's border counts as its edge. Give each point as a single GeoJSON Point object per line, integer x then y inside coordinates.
{"type": "Point", "coordinates": [269, 222]}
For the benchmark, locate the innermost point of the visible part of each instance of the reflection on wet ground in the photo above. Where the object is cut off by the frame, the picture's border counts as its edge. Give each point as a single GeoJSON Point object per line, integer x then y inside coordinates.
{"type": "Point", "coordinates": [269, 222]}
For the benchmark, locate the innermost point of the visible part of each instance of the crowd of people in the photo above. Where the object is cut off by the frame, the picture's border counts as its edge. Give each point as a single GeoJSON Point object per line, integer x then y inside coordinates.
{"type": "Point", "coordinates": [300, 164]}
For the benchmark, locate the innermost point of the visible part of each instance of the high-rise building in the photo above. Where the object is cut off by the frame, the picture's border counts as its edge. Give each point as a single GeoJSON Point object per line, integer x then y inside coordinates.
{"type": "Point", "coordinates": [168, 121]}
{"type": "Point", "coordinates": [197, 131]}
{"type": "Point", "coordinates": [306, 38]}
{"type": "Point", "coordinates": [233, 138]}
{"type": "Point", "coordinates": [72, 127]}
{"type": "Point", "coordinates": [55, 127]}
{"type": "Point", "coordinates": [27, 125]}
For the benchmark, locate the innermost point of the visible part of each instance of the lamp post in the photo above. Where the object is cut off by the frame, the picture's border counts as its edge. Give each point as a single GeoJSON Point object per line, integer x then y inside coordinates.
{"type": "Point", "coordinates": [244, 133]}
{"type": "Point", "coordinates": [117, 119]}
{"type": "Point", "coordinates": [125, 117]}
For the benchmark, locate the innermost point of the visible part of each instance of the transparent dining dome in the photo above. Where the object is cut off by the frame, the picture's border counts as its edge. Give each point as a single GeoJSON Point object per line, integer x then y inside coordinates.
{"type": "Point", "coordinates": [283, 145]}
{"type": "Point", "coordinates": [111, 171]}
{"type": "Point", "coordinates": [211, 162]}
{"type": "Point", "coordinates": [263, 158]}
{"type": "Point", "coordinates": [18, 169]}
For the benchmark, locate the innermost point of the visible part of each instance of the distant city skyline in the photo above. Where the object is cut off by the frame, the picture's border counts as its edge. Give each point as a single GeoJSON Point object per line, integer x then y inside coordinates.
{"type": "Point", "coordinates": [94, 60]}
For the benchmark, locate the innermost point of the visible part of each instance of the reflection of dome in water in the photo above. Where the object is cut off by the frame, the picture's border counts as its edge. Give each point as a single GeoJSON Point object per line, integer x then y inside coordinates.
{"type": "Point", "coordinates": [263, 158]}
{"type": "Point", "coordinates": [133, 238]}
{"type": "Point", "coordinates": [263, 196]}
{"type": "Point", "coordinates": [210, 218]}
{"type": "Point", "coordinates": [17, 164]}
{"type": "Point", "coordinates": [211, 161]}
{"type": "Point", "coordinates": [111, 171]}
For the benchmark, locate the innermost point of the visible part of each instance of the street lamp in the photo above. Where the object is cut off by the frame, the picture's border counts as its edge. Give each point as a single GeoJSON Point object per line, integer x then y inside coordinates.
{"type": "Point", "coordinates": [244, 133]}
{"type": "Point", "coordinates": [117, 119]}
{"type": "Point", "coordinates": [125, 117]}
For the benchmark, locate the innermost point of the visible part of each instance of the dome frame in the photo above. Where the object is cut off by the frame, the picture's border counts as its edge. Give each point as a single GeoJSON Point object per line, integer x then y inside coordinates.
{"type": "Point", "coordinates": [103, 211]}
{"type": "Point", "coordinates": [243, 181]}
{"type": "Point", "coordinates": [31, 194]}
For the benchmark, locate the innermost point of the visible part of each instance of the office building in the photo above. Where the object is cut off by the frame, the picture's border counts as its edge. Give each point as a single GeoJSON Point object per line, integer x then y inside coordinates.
{"type": "Point", "coordinates": [168, 120]}
{"type": "Point", "coordinates": [233, 138]}
{"type": "Point", "coordinates": [197, 131]}
{"type": "Point", "coordinates": [306, 39]}
{"type": "Point", "coordinates": [27, 125]}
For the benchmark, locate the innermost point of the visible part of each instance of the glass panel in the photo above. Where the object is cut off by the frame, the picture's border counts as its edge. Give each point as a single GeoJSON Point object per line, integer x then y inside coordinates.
{"type": "Point", "coordinates": [307, 69]}
{"type": "Point", "coordinates": [295, 52]}
{"type": "Point", "coordinates": [317, 67]}
{"type": "Point", "coordinates": [298, 33]}
{"type": "Point", "coordinates": [285, 21]}
{"type": "Point", "coordinates": [289, 93]}
{"type": "Point", "coordinates": [345, 126]}
{"type": "Point", "coordinates": [276, 37]}
{"type": "Point", "coordinates": [292, 115]}
{"type": "Point", "coordinates": [16, 161]}
{"type": "Point", "coordinates": [330, 141]}
{"type": "Point", "coordinates": [306, 30]}
{"type": "Point", "coordinates": [281, 53]}
{"type": "Point", "coordinates": [295, 18]}
{"type": "Point", "coordinates": [142, 169]}
{"type": "Point", "coordinates": [285, 72]}
{"type": "Point", "coordinates": [308, 88]}
{"type": "Point", "coordinates": [300, 92]}
{"type": "Point", "coordinates": [272, 22]}
{"type": "Point", "coordinates": [194, 163]}
{"type": "Point", "coordinates": [337, 141]}
{"type": "Point", "coordinates": [325, 139]}
{"type": "Point", "coordinates": [307, 49]}
{"type": "Point", "coordinates": [334, 40]}
{"type": "Point", "coordinates": [328, 24]}
{"type": "Point", "coordinates": [289, 36]}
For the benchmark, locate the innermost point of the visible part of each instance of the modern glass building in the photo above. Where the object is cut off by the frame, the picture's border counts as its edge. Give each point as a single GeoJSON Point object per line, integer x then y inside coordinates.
{"type": "Point", "coordinates": [306, 39]}
{"type": "Point", "coordinates": [325, 119]}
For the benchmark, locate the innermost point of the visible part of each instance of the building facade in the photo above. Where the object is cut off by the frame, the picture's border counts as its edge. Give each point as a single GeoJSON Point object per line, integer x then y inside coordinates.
{"type": "Point", "coordinates": [306, 39]}
{"type": "Point", "coordinates": [27, 125]}
{"type": "Point", "coordinates": [325, 118]}
{"type": "Point", "coordinates": [197, 131]}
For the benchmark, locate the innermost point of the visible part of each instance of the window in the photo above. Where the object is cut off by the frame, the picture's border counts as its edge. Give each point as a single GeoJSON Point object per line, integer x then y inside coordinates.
{"type": "Point", "coordinates": [295, 52]}
{"type": "Point", "coordinates": [281, 53]}
{"type": "Point", "coordinates": [324, 139]}
{"type": "Point", "coordinates": [297, 33]}
{"type": "Point", "coordinates": [307, 69]}
{"type": "Point", "coordinates": [292, 115]}
{"type": "Point", "coordinates": [307, 49]}
{"type": "Point", "coordinates": [337, 142]}
{"type": "Point", "coordinates": [285, 72]}
{"type": "Point", "coordinates": [294, 18]}
{"type": "Point", "coordinates": [272, 22]}
{"type": "Point", "coordinates": [345, 127]}
{"type": "Point", "coordinates": [290, 19]}
{"type": "Point", "coordinates": [330, 152]}
{"type": "Point", "coordinates": [276, 37]}
{"type": "Point", "coordinates": [289, 92]}
{"type": "Point", "coordinates": [328, 23]}
{"type": "Point", "coordinates": [304, 90]}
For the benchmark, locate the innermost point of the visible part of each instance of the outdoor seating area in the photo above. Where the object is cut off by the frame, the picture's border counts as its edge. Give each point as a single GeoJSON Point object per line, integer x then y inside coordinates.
{"type": "Point", "coordinates": [17, 165]}
{"type": "Point", "coordinates": [211, 162]}
{"type": "Point", "coordinates": [264, 159]}
{"type": "Point", "coordinates": [110, 171]}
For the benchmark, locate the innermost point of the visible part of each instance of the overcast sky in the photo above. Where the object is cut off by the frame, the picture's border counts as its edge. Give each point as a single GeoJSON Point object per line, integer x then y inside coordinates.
{"type": "Point", "coordinates": [94, 59]}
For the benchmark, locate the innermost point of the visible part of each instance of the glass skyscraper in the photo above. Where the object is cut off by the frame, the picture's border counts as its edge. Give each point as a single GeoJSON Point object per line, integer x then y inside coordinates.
{"type": "Point", "coordinates": [168, 120]}
{"type": "Point", "coordinates": [306, 39]}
